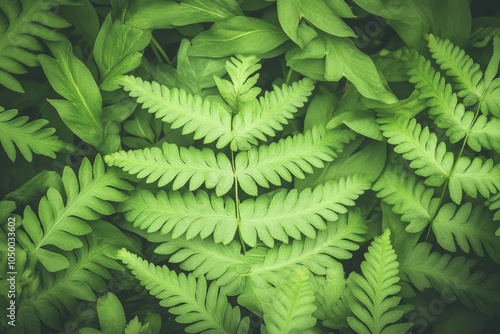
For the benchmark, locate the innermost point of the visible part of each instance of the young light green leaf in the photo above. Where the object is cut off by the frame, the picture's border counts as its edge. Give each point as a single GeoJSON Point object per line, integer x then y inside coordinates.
{"type": "Point", "coordinates": [111, 314]}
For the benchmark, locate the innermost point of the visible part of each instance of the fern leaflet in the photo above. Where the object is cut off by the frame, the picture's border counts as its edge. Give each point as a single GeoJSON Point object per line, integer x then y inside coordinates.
{"type": "Point", "coordinates": [467, 74]}
{"type": "Point", "coordinates": [290, 213]}
{"type": "Point", "coordinates": [256, 121]}
{"type": "Point", "coordinates": [292, 155]}
{"type": "Point", "coordinates": [178, 164]}
{"type": "Point", "coordinates": [187, 297]}
{"type": "Point", "coordinates": [292, 306]}
{"type": "Point", "coordinates": [409, 198]}
{"type": "Point", "coordinates": [451, 276]}
{"type": "Point", "coordinates": [376, 304]}
{"type": "Point", "coordinates": [208, 120]}
{"type": "Point", "coordinates": [187, 214]}
{"type": "Point", "coordinates": [29, 138]}
{"type": "Point", "coordinates": [420, 147]}
{"type": "Point", "coordinates": [473, 177]}
{"type": "Point", "coordinates": [466, 227]}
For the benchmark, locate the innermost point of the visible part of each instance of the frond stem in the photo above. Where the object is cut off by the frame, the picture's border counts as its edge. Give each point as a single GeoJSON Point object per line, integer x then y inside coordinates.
{"type": "Point", "coordinates": [159, 49]}
{"type": "Point", "coordinates": [237, 204]}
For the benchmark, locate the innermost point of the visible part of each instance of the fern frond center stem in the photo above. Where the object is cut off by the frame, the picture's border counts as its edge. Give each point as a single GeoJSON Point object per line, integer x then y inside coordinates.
{"type": "Point", "coordinates": [237, 202]}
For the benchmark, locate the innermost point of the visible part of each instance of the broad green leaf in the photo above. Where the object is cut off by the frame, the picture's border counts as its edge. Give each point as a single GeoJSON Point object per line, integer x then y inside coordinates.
{"type": "Point", "coordinates": [165, 14]}
{"type": "Point", "coordinates": [117, 51]}
{"type": "Point", "coordinates": [330, 58]}
{"type": "Point", "coordinates": [291, 12]}
{"type": "Point", "coordinates": [238, 35]}
{"type": "Point", "coordinates": [70, 78]}
{"type": "Point", "coordinates": [83, 17]}
{"type": "Point", "coordinates": [412, 19]}
{"type": "Point", "coordinates": [111, 314]}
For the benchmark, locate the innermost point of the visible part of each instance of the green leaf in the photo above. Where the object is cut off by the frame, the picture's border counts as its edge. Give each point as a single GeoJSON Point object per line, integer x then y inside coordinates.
{"type": "Point", "coordinates": [291, 12]}
{"type": "Point", "coordinates": [161, 14]}
{"type": "Point", "coordinates": [69, 77]}
{"type": "Point", "coordinates": [117, 51]}
{"type": "Point", "coordinates": [333, 58]}
{"type": "Point", "coordinates": [238, 35]}
{"type": "Point", "coordinates": [111, 314]}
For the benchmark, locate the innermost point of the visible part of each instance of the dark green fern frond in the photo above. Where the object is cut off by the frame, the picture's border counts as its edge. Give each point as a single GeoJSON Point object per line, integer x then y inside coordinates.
{"type": "Point", "coordinates": [29, 137]}
{"type": "Point", "coordinates": [411, 199]}
{"type": "Point", "coordinates": [20, 26]}
{"type": "Point", "coordinates": [293, 155]}
{"type": "Point", "coordinates": [186, 214]}
{"type": "Point", "coordinates": [48, 296]}
{"type": "Point", "coordinates": [451, 276]}
{"type": "Point", "coordinates": [292, 306]}
{"type": "Point", "coordinates": [60, 223]}
{"type": "Point", "coordinates": [467, 228]}
{"type": "Point", "coordinates": [177, 164]}
{"type": "Point", "coordinates": [375, 308]}
{"type": "Point", "coordinates": [208, 120]}
{"type": "Point", "coordinates": [292, 213]}
{"type": "Point", "coordinates": [419, 146]}
{"type": "Point", "coordinates": [256, 121]}
{"type": "Point", "coordinates": [205, 310]}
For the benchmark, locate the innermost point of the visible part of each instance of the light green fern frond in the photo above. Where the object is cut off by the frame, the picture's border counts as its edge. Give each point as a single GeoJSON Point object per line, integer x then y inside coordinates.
{"type": "Point", "coordinates": [293, 155]}
{"type": "Point", "coordinates": [205, 310]}
{"type": "Point", "coordinates": [186, 214]}
{"type": "Point", "coordinates": [29, 137]}
{"type": "Point", "coordinates": [443, 104]}
{"type": "Point", "coordinates": [292, 306]}
{"type": "Point", "coordinates": [241, 89]}
{"type": "Point", "coordinates": [484, 134]}
{"type": "Point", "coordinates": [335, 243]}
{"type": "Point", "coordinates": [375, 309]}
{"type": "Point", "coordinates": [473, 176]}
{"type": "Point", "coordinates": [177, 164]}
{"type": "Point", "coordinates": [203, 257]}
{"type": "Point", "coordinates": [88, 272]}
{"type": "Point", "coordinates": [451, 276]}
{"type": "Point", "coordinates": [60, 223]}
{"type": "Point", "coordinates": [409, 198]}
{"type": "Point", "coordinates": [467, 227]}
{"type": "Point", "coordinates": [457, 64]}
{"type": "Point", "coordinates": [256, 121]}
{"type": "Point", "coordinates": [21, 23]}
{"type": "Point", "coordinates": [419, 146]}
{"type": "Point", "coordinates": [207, 120]}
{"type": "Point", "coordinates": [292, 213]}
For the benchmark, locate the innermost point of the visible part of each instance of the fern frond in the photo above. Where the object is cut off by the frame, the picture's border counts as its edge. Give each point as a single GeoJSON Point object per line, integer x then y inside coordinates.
{"type": "Point", "coordinates": [207, 120]}
{"type": "Point", "coordinates": [24, 21]}
{"type": "Point", "coordinates": [457, 64]}
{"type": "Point", "coordinates": [336, 242]}
{"type": "Point", "coordinates": [292, 213]}
{"type": "Point", "coordinates": [60, 224]}
{"type": "Point", "coordinates": [202, 257]}
{"type": "Point", "coordinates": [256, 121]}
{"type": "Point", "coordinates": [466, 227]}
{"type": "Point", "coordinates": [207, 311]}
{"type": "Point", "coordinates": [375, 309]}
{"type": "Point", "coordinates": [443, 104]}
{"type": "Point", "coordinates": [182, 214]}
{"type": "Point", "coordinates": [240, 90]}
{"type": "Point", "coordinates": [292, 155]}
{"type": "Point", "coordinates": [473, 176]}
{"type": "Point", "coordinates": [48, 296]}
{"type": "Point", "coordinates": [292, 306]}
{"type": "Point", "coordinates": [409, 198]}
{"type": "Point", "coordinates": [419, 146]}
{"type": "Point", "coordinates": [451, 276]}
{"type": "Point", "coordinates": [177, 164]}
{"type": "Point", "coordinates": [29, 137]}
